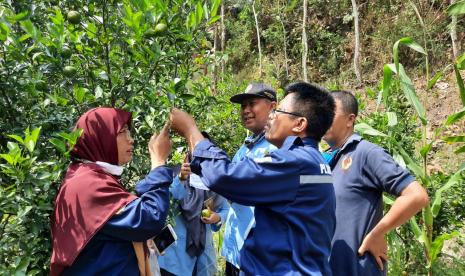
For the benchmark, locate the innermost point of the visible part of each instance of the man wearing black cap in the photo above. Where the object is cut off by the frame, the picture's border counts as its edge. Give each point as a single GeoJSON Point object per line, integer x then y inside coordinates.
{"type": "Point", "coordinates": [256, 103]}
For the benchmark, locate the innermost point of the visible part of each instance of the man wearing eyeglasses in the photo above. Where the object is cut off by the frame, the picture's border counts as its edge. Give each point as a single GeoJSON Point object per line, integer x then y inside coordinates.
{"type": "Point", "coordinates": [256, 102]}
{"type": "Point", "coordinates": [291, 188]}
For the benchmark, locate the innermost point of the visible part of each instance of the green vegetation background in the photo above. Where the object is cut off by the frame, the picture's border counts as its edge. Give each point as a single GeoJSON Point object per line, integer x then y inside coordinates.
{"type": "Point", "coordinates": [60, 58]}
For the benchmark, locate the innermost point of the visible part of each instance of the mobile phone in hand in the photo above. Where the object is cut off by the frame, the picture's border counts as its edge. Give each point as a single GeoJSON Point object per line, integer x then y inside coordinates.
{"type": "Point", "coordinates": [165, 238]}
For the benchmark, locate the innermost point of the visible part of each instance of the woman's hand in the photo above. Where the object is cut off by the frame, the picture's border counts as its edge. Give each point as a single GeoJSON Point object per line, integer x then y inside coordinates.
{"type": "Point", "coordinates": [160, 147]}
{"type": "Point", "coordinates": [185, 171]}
{"type": "Point", "coordinates": [214, 218]}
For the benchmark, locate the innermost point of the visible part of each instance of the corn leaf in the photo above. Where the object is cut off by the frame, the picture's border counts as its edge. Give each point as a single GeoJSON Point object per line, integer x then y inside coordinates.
{"type": "Point", "coordinates": [460, 84]}
{"type": "Point", "coordinates": [364, 128]}
{"type": "Point", "coordinates": [453, 180]}
{"type": "Point", "coordinates": [457, 8]}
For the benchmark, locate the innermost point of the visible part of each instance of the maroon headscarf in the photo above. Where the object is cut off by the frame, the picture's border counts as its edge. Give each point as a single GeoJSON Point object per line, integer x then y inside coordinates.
{"type": "Point", "coordinates": [88, 196]}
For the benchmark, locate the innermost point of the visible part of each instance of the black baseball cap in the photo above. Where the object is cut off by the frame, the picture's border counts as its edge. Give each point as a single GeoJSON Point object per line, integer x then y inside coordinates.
{"type": "Point", "coordinates": [255, 90]}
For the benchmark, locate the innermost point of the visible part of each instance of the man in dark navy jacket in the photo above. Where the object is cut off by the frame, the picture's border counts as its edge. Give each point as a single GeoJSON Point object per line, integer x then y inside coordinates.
{"type": "Point", "coordinates": [291, 188]}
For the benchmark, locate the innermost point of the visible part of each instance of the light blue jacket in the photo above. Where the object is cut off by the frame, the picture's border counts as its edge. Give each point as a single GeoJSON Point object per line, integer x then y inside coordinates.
{"type": "Point", "coordinates": [176, 260]}
{"type": "Point", "coordinates": [240, 218]}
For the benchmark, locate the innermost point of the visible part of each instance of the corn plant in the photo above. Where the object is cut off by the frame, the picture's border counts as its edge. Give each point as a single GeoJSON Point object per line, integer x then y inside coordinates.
{"type": "Point", "coordinates": [395, 77]}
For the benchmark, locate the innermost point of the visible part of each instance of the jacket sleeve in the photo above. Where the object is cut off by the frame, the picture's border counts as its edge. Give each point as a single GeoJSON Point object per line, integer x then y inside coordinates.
{"type": "Point", "coordinates": [273, 178]}
{"type": "Point", "coordinates": [145, 216]}
{"type": "Point", "coordinates": [177, 189]}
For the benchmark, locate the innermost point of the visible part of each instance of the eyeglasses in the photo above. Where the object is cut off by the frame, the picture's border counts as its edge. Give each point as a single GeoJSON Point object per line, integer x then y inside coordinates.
{"type": "Point", "coordinates": [273, 113]}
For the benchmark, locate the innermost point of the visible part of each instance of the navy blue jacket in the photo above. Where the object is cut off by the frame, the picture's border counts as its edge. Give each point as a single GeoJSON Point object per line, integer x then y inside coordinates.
{"type": "Point", "coordinates": [294, 201]}
{"type": "Point", "coordinates": [110, 251]}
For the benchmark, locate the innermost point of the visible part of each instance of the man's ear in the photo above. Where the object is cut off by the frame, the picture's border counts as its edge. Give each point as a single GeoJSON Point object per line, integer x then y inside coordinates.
{"type": "Point", "coordinates": [351, 120]}
{"type": "Point", "coordinates": [300, 125]}
{"type": "Point", "coordinates": [273, 105]}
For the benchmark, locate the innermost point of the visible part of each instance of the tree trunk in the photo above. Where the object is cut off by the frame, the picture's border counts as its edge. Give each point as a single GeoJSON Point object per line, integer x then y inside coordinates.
{"type": "Point", "coordinates": [223, 39]}
{"type": "Point", "coordinates": [258, 39]}
{"type": "Point", "coordinates": [453, 33]}
{"type": "Point", "coordinates": [284, 40]}
{"type": "Point", "coordinates": [215, 65]}
{"type": "Point", "coordinates": [358, 74]}
{"type": "Point", "coordinates": [304, 43]}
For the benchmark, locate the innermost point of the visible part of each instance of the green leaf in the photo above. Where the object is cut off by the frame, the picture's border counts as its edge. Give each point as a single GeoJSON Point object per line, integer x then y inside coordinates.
{"type": "Point", "coordinates": [214, 19]}
{"type": "Point", "coordinates": [392, 118]}
{"type": "Point", "coordinates": [22, 266]}
{"type": "Point", "coordinates": [21, 16]}
{"type": "Point", "coordinates": [428, 216]}
{"type": "Point", "coordinates": [35, 134]}
{"type": "Point", "coordinates": [412, 165]}
{"type": "Point", "coordinates": [17, 138]}
{"type": "Point", "coordinates": [387, 79]}
{"type": "Point", "coordinates": [453, 180]}
{"type": "Point", "coordinates": [460, 150]}
{"type": "Point", "coordinates": [364, 128]}
{"type": "Point", "coordinates": [454, 139]}
{"type": "Point", "coordinates": [426, 149]}
{"type": "Point", "coordinates": [59, 144]}
{"type": "Point", "coordinates": [215, 6]}
{"type": "Point", "coordinates": [455, 117]}
{"type": "Point", "coordinates": [461, 62]}
{"type": "Point", "coordinates": [9, 159]}
{"type": "Point", "coordinates": [460, 84]}
{"type": "Point", "coordinates": [416, 229]}
{"type": "Point", "coordinates": [187, 96]}
{"type": "Point", "coordinates": [79, 94]}
{"type": "Point", "coordinates": [436, 246]}
{"type": "Point", "coordinates": [457, 8]}
{"type": "Point", "coordinates": [407, 41]}
{"type": "Point", "coordinates": [4, 31]}
{"type": "Point", "coordinates": [199, 12]}
{"type": "Point", "coordinates": [387, 200]}
{"type": "Point", "coordinates": [30, 139]}
{"type": "Point", "coordinates": [409, 90]}
{"type": "Point", "coordinates": [435, 79]}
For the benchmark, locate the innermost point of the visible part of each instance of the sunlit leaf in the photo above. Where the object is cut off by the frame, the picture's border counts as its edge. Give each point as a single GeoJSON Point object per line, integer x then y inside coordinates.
{"type": "Point", "coordinates": [453, 180]}
{"type": "Point", "coordinates": [364, 128]}
{"type": "Point", "coordinates": [435, 79]}
{"type": "Point", "coordinates": [387, 78]}
{"type": "Point", "coordinates": [409, 91]}
{"type": "Point", "coordinates": [59, 144]}
{"type": "Point", "coordinates": [460, 150]}
{"type": "Point", "coordinates": [407, 41]}
{"type": "Point", "coordinates": [454, 139]}
{"type": "Point", "coordinates": [392, 118]}
{"type": "Point", "coordinates": [456, 9]}
{"type": "Point", "coordinates": [460, 84]}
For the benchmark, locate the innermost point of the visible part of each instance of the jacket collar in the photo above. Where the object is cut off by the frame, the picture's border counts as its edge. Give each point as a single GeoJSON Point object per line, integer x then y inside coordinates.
{"type": "Point", "coordinates": [295, 140]}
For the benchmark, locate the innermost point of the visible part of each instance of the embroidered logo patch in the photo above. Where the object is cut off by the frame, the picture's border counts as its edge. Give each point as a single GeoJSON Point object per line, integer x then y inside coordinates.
{"type": "Point", "coordinates": [346, 163]}
{"type": "Point", "coordinates": [268, 94]}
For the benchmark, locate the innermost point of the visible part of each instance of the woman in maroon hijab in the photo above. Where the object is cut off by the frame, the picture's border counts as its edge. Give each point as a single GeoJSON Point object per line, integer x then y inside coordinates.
{"type": "Point", "coordinates": [98, 227]}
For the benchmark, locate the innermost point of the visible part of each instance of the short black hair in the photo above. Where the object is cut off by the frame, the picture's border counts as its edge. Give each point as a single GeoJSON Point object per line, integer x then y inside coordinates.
{"type": "Point", "coordinates": [315, 104]}
{"type": "Point", "coordinates": [348, 101]}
